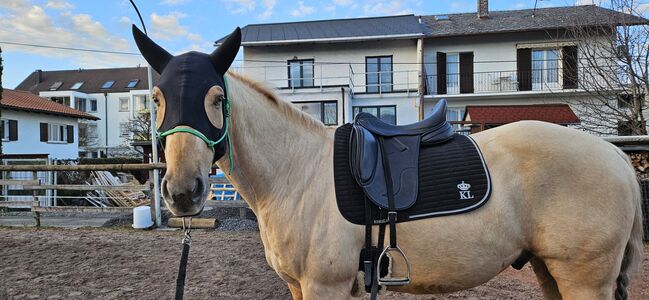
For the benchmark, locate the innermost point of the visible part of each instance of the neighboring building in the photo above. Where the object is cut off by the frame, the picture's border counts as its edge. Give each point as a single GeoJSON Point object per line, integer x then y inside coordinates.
{"type": "Point", "coordinates": [398, 67]}
{"type": "Point", "coordinates": [114, 95]}
{"type": "Point", "coordinates": [36, 128]}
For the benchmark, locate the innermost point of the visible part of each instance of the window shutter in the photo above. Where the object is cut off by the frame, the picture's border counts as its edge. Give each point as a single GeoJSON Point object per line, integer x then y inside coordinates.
{"type": "Point", "coordinates": [441, 73]}
{"type": "Point", "coordinates": [466, 72]}
{"type": "Point", "coordinates": [70, 134]}
{"type": "Point", "coordinates": [524, 66]}
{"type": "Point", "coordinates": [570, 74]}
{"type": "Point", "coordinates": [44, 132]}
{"type": "Point", "coordinates": [13, 130]}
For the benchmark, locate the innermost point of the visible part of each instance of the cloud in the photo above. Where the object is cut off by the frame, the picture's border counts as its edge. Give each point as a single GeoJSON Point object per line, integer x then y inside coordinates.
{"type": "Point", "coordinates": [268, 5]}
{"type": "Point", "coordinates": [167, 27]}
{"type": "Point", "coordinates": [302, 10]}
{"type": "Point", "coordinates": [520, 5]}
{"type": "Point", "coordinates": [239, 6]}
{"type": "Point", "coordinates": [194, 37]}
{"type": "Point", "coordinates": [330, 8]}
{"type": "Point", "coordinates": [59, 4]}
{"type": "Point", "coordinates": [124, 20]}
{"type": "Point", "coordinates": [386, 8]}
{"type": "Point", "coordinates": [343, 2]}
{"type": "Point", "coordinates": [174, 2]}
{"type": "Point", "coordinates": [26, 22]}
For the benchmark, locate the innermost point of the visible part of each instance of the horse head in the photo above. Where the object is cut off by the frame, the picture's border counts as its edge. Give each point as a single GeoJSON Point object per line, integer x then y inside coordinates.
{"type": "Point", "coordinates": [192, 117]}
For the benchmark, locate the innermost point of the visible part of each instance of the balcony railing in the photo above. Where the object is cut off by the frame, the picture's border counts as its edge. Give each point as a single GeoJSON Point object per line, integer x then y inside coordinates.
{"type": "Point", "coordinates": [321, 76]}
{"type": "Point", "coordinates": [494, 82]}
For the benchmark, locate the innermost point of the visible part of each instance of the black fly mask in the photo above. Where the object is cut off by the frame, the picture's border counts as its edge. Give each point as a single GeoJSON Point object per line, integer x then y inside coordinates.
{"type": "Point", "coordinates": [185, 80]}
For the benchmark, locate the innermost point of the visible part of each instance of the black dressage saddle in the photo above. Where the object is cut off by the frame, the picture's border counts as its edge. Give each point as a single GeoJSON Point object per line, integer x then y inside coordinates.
{"type": "Point", "coordinates": [383, 153]}
{"type": "Point", "coordinates": [386, 174]}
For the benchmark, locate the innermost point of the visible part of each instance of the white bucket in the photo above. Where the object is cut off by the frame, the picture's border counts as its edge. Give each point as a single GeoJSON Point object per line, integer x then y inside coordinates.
{"type": "Point", "coordinates": [142, 217]}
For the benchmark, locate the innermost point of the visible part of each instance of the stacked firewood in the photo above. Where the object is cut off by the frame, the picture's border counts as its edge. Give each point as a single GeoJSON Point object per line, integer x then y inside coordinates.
{"type": "Point", "coordinates": [640, 161]}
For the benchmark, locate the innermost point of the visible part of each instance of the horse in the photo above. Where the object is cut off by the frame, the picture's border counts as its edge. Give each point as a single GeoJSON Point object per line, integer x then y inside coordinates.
{"type": "Point", "coordinates": [569, 198]}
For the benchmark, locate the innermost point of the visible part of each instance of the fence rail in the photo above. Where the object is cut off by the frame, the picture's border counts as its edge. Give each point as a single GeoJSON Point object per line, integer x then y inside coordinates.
{"type": "Point", "coordinates": [36, 187]}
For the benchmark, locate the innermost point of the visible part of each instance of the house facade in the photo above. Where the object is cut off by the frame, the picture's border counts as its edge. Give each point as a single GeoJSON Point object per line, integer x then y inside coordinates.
{"type": "Point", "coordinates": [36, 128]}
{"type": "Point", "coordinates": [113, 95]}
{"type": "Point", "coordinates": [398, 67]}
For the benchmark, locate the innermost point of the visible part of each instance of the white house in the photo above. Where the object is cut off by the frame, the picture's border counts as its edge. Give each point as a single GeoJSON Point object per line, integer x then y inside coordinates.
{"type": "Point", "coordinates": [398, 67]}
{"type": "Point", "coordinates": [36, 128]}
{"type": "Point", "coordinates": [114, 95]}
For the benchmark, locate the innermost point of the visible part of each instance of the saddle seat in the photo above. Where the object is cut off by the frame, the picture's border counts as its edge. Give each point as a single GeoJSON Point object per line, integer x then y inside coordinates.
{"type": "Point", "coordinates": [375, 143]}
{"type": "Point", "coordinates": [433, 129]}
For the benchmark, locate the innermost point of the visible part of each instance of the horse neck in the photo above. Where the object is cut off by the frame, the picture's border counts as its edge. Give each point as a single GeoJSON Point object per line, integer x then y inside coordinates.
{"type": "Point", "coordinates": [277, 150]}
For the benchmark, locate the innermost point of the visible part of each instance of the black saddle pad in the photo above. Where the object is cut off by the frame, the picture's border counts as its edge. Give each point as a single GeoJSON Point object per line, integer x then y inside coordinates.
{"type": "Point", "coordinates": [453, 178]}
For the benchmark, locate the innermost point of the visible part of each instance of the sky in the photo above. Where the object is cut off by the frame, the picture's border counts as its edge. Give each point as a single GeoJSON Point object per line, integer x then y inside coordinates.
{"type": "Point", "coordinates": [177, 25]}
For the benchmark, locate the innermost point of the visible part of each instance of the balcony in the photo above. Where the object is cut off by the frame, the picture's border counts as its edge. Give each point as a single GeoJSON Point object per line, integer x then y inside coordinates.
{"type": "Point", "coordinates": [317, 77]}
{"type": "Point", "coordinates": [496, 82]}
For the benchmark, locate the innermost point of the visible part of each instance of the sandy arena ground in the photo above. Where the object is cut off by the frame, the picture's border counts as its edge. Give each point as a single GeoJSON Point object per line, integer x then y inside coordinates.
{"type": "Point", "coordinates": [127, 264]}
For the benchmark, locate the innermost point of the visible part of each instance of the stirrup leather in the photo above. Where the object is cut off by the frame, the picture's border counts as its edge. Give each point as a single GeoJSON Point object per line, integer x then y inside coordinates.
{"type": "Point", "coordinates": [396, 281]}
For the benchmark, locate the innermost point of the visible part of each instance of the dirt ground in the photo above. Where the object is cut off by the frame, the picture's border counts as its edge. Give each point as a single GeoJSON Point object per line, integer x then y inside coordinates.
{"type": "Point", "coordinates": [126, 264]}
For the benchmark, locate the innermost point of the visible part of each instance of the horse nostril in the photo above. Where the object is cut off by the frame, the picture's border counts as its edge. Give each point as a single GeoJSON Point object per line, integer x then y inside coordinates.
{"type": "Point", "coordinates": [163, 188]}
{"type": "Point", "coordinates": [198, 188]}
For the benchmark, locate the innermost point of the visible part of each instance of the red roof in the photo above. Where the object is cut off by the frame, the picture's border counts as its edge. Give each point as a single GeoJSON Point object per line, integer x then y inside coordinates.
{"type": "Point", "coordinates": [503, 114]}
{"type": "Point", "coordinates": [22, 100]}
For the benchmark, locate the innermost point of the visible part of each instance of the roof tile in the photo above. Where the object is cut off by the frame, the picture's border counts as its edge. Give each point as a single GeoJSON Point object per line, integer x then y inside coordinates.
{"type": "Point", "coordinates": [23, 100]}
{"type": "Point", "coordinates": [503, 114]}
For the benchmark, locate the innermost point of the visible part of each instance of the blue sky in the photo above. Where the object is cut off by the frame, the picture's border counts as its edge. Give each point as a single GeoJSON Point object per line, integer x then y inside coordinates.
{"type": "Point", "coordinates": [177, 25]}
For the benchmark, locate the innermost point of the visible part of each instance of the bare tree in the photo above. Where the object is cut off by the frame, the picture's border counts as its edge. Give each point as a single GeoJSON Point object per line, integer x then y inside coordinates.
{"type": "Point", "coordinates": [613, 70]}
{"type": "Point", "coordinates": [140, 127]}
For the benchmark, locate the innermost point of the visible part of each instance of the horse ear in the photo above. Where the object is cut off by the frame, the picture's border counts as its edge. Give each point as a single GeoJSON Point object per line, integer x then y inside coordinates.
{"type": "Point", "coordinates": [157, 57]}
{"type": "Point", "coordinates": [224, 55]}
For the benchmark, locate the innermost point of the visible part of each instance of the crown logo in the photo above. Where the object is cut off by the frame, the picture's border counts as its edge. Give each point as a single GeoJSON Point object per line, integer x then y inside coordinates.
{"type": "Point", "coordinates": [464, 186]}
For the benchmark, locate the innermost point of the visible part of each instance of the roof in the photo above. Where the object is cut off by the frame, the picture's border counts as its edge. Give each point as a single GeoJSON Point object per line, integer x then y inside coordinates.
{"type": "Point", "coordinates": [93, 80]}
{"type": "Point", "coordinates": [503, 114]}
{"type": "Point", "coordinates": [357, 29]}
{"type": "Point", "coordinates": [26, 101]}
{"type": "Point", "coordinates": [522, 20]}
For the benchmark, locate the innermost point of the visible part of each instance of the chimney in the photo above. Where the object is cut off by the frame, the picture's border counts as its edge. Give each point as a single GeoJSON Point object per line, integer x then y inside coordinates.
{"type": "Point", "coordinates": [483, 9]}
{"type": "Point", "coordinates": [39, 76]}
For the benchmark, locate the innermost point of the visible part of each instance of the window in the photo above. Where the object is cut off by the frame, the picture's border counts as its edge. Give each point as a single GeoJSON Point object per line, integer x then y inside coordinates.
{"type": "Point", "coordinates": [55, 86]}
{"type": "Point", "coordinates": [81, 104]}
{"type": "Point", "coordinates": [378, 74]}
{"type": "Point", "coordinates": [5, 130]}
{"type": "Point", "coordinates": [452, 73]}
{"type": "Point", "coordinates": [76, 85]}
{"type": "Point", "coordinates": [324, 111]}
{"type": "Point", "coordinates": [141, 103]}
{"type": "Point", "coordinates": [93, 105]}
{"type": "Point", "coordinates": [123, 104]}
{"type": "Point", "coordinates": [61, 100]}
{"type": "Point", "coordinates": [124, 129]}
{"type": "Point", "coordinates": [108, 84]}
{"type": "Point", "coordinates": [545, 68]}
{"type": "Point", "coordinates": [626, 100]}
{"type": "Point", "coordinates": [57, 133]}
{"type": "Point", "coordinates": [300, 73]}
{"type": "Point", "coordinates": [133, 83]}
{"type": "Point", "coordinates": [387, 114]}
{"type": "Point", "coordinates": [455, 114]}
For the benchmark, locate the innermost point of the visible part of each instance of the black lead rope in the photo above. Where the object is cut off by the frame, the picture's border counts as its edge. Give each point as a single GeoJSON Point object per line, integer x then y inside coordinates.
{"type": "Point", "coordinates": [182, 269]}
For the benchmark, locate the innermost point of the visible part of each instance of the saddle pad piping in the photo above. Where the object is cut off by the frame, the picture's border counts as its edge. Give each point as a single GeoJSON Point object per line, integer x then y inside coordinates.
{"type": "Point", "coordinates": [478, 204]}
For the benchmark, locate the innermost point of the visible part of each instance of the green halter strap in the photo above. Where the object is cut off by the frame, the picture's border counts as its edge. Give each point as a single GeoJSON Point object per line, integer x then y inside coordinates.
{"type": "Point", "coordinates": [201, 136]}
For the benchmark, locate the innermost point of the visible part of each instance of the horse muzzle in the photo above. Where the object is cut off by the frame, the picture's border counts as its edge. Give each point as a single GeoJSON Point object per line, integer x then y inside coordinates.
{"type": "Point", "coordinates": [184, 198]}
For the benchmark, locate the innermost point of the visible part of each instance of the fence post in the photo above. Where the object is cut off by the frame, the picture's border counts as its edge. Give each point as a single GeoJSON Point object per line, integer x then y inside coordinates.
{"type": "Point", "coordinates": [154, 212]}
{"type": "Point", "coordinates": [35, 202]}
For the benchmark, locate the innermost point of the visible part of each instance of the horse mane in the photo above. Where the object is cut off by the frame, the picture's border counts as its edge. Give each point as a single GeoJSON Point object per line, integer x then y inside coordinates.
{"type": "Point", "coordinates": [288, 109]}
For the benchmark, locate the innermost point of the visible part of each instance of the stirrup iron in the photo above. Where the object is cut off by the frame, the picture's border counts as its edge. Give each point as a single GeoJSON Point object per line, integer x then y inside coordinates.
{"type": "Point", "coordinates": [397, 281]}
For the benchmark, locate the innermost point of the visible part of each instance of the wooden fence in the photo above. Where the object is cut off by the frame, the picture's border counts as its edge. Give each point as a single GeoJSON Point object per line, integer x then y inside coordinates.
{"type": "Point", "coordinates": [36, 186]}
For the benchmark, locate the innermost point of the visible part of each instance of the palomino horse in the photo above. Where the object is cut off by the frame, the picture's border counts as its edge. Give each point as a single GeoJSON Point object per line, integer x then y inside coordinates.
{"type": "Point", "coordinates": [569, 198]}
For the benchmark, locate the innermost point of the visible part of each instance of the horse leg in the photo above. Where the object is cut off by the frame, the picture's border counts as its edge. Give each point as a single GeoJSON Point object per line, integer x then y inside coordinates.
{"type": "Point", "coordinates": [296, 291]}
{"type": "Point", "coordinates": [316, 291]}
{"type": "Point", "coordinates": [545, 279]}
{"type": "Point", "coordinates": [581, 279]}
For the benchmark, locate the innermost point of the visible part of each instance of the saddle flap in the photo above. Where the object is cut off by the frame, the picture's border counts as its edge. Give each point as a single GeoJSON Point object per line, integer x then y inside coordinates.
{"type": "Point", "coordinates": [366, 155]}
